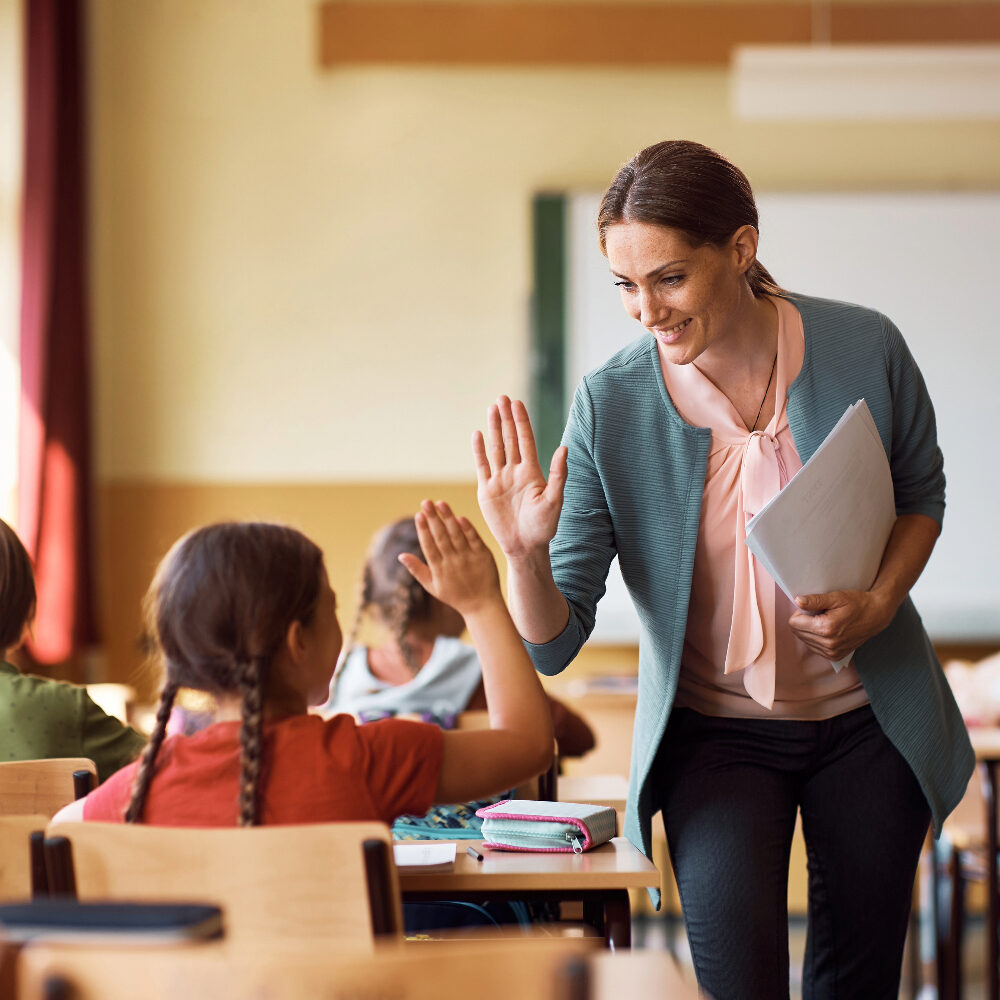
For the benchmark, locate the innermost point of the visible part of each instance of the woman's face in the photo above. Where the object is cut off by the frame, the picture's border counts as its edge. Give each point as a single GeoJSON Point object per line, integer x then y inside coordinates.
{"type": "Point", "coordinates": [689, 298]}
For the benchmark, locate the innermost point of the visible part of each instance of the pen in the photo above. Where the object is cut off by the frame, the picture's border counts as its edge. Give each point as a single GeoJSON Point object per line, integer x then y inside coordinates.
{"type": "Point", "coordinates": [472, 852]}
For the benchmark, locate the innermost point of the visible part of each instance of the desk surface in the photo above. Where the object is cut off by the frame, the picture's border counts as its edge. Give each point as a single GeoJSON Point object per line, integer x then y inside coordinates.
{"type": "Point", "coordinates": [615, 865]}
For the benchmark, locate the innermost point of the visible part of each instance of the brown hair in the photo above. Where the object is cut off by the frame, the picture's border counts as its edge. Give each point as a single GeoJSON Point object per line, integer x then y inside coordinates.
{"type": "Point", "coordinates": [17, 588]}
{"type": "Point", "coordinates": [218, 610]}
{"type": "Point", "coordinates": [687, 186]}
{"type": "Point", "coordinates": [388, 587]}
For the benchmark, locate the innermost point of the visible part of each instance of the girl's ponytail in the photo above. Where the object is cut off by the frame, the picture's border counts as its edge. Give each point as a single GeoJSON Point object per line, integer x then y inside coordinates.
{"type": "Point", "coordinates": [251, 738]}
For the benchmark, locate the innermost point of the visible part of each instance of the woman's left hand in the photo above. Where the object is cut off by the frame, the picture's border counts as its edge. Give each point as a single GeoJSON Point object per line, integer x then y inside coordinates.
{"type": "Point", "coordinates": [835, 624]}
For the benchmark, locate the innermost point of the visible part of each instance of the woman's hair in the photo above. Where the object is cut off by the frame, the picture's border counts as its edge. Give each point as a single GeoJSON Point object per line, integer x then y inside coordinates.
{"type": "Point", "coordinates": [389, 588]}
{"type": "Point", "coordinates": [17, 588]}
{"type": "Point", "coordinates": [684, 185]}
{"type": "Point", "coordinates": [218, 610]}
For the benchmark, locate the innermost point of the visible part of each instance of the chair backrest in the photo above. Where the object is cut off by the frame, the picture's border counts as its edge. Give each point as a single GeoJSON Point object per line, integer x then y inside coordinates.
{"type": "Point", "coordinates": [16, 881]}
{"type": "Point", "coordinates": [530, 969]}
{"type": "Point", "coordinates": [328, 882]}
{"type": "Point", "coordinates": [43, 786]}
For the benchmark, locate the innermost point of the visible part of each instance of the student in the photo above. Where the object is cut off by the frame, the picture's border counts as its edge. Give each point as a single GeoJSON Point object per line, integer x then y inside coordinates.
{"type": "Point", "coordinates": [423, 667]}
{"type": "Point", "coordinates": [245, 612]}
{"type": "Point", "coordinates": [39, 717]}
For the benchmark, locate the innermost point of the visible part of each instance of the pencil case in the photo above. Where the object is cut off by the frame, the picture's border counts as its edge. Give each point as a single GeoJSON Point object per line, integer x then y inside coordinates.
{"type": "Point", "coordinates": [531, 825]}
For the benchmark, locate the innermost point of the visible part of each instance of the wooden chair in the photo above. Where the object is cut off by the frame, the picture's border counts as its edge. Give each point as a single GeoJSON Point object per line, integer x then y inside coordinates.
{"type": "Point", "coordinates": [967, 853]}
{"type": "Point", "coordinates": [530, 969]}
{"type": "Point", "coordinates": [323, 882]}
{"type": "Point", "coordinates": [44, 786]}
{"type": "Point", "coordinates": [21, 865]}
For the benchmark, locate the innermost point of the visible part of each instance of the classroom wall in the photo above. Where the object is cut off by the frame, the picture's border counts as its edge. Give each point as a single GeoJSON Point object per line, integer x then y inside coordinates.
{"type": "Point", "coordinates": [309, 284]}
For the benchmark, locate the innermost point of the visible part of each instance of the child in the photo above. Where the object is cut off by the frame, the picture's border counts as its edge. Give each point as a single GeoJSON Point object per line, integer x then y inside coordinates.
{"type": "Point", "coordinates": [423, 667]}
{"type": "Point", "coordinates": [40, 717]}
{"type": "Point", "coordinates": [245, 612]}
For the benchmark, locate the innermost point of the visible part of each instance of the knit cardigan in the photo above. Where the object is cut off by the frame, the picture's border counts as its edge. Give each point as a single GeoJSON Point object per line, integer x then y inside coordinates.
{"type": "Point", "coordinates": [636, 473]}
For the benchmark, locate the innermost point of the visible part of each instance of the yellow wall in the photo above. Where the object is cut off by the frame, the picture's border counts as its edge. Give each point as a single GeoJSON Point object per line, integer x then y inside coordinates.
{"type": "Point", "coordinates": [310, 284]}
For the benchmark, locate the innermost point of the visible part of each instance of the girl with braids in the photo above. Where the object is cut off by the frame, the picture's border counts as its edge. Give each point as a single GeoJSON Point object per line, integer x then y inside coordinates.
{"type": "Point", "coordinates": [423, 667]}
{"type": "Point", "coordinates": [245, 612]}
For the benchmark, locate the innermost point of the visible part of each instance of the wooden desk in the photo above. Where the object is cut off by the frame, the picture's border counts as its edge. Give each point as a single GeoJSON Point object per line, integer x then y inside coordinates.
{"type": "Point", "coordinates": [600, 879]}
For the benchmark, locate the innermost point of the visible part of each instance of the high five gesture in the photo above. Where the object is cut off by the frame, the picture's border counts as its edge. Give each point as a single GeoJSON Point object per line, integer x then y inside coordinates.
{"type": "Point", "coordinates": [522, 510]}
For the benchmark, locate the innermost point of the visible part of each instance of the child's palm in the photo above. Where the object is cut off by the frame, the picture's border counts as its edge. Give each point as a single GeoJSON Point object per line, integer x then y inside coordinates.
{"type": "Point", "coordinates": [458, 568]}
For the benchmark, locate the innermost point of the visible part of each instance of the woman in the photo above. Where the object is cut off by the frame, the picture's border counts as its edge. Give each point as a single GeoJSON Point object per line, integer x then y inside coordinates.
{"type": "Point", "coordinates": [741, 722]}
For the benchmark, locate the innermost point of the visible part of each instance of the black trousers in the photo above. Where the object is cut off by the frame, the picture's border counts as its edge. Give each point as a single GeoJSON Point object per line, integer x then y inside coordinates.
{"type": "Point", "coordinates": [730, 790]}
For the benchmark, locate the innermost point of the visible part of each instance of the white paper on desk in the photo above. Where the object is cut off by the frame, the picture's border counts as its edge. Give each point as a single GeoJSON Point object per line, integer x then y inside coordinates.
{"type": "Point", "coordinates": [424, 855]}
{"type": "Point", "coordinates": [828, 528]}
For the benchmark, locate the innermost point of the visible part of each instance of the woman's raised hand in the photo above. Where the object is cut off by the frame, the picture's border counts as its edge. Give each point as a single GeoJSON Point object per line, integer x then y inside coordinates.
{"type": "Point", "coordinates": [520, 507]}
{"type": "Point", "coordinates": [458, 569]}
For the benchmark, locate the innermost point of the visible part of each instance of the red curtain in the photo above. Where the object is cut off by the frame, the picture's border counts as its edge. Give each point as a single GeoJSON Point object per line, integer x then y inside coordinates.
{"type": "Point", "coordinates": [54, 502]}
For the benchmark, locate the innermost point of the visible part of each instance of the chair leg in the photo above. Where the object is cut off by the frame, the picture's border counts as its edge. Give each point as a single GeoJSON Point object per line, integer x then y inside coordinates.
{"type": "Point", "coordinates": [378, 865]}
{"type": "Point", "coordinates": [59, 867]}
{"type": "Point", "coordinates": [39, 876]}
{"type": "Point", "coordinates": [83, 783]}
{"type": "Point", "coordinates": [956, 927]}
{"type": "Point", "coordinates": [941, 890]}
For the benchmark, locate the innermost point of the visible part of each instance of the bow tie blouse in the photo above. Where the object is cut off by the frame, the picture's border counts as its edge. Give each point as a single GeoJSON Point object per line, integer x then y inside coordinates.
{"type": "Point", "coordinates": [740, 657]}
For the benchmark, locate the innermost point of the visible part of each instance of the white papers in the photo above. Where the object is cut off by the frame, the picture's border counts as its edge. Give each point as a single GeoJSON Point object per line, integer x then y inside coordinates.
{"type": "Point", "coordinates": [424, 855]}
{"type": "Point", "coordinates": [827, 529]}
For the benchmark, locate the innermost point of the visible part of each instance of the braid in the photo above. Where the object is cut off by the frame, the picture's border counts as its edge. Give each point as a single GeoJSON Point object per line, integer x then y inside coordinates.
{"type": "Point", "coordinates": [364, 602]}
{"type": "Point", "coordinates": [251, 686]}
{"type": "Point", "coordinates": [408, 592]}
{"type": "Point", "coordinates": [144, 773]}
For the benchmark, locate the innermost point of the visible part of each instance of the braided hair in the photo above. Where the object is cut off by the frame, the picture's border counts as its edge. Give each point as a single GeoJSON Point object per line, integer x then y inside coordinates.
{"type": "Point", "coordinates": [218, 610]}
{"type": "Point", "coordinates": [388, 588]}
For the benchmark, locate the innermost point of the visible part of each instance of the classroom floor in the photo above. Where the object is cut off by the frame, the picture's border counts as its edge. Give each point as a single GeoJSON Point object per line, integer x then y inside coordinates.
{"type": "Point", "coordinates": [668, 932]}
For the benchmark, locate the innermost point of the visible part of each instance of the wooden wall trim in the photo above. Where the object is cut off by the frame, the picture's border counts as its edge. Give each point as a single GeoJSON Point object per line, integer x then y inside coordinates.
{"type": "Point", "coordinates": [915, 23]}
{"type": "Point", "coordinates": [628, 34]}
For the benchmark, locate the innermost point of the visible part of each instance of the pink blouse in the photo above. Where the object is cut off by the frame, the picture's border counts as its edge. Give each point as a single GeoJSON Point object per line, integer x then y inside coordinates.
{"type": "Point", "coordinates": [740, 657]}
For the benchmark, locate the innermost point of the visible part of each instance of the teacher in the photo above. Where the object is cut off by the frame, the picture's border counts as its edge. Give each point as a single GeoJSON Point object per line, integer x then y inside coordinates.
{"type": "Point", "coordinates": [741, 721]}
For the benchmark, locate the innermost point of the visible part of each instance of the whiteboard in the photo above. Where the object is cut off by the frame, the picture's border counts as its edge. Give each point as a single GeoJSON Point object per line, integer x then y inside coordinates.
{"type": "Point", "coordinates": [929, 261]}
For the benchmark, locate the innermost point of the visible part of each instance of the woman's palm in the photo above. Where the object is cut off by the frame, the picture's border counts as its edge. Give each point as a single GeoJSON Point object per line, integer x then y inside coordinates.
{"type": "Point", "coordinates": [520, 507]}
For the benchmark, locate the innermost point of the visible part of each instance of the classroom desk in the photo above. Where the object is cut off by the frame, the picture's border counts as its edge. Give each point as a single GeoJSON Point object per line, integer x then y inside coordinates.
{"type": "Point", "coordinates": [599, 878]}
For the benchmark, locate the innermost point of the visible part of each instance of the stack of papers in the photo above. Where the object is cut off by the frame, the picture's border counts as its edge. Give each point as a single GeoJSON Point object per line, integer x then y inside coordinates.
{"type": "Point", "coordinates": [424, 855]}
{"type": "Point", "coordinates": [828, 528]}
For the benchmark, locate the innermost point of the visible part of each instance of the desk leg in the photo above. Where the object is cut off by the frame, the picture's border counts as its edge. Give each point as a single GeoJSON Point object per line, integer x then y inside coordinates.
{"type": "Point", "coordinates": [618, 920]}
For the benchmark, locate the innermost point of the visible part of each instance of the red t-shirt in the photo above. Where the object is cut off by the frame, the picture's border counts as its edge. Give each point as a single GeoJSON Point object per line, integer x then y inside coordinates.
{"type": "Point", "coordinates": [314, 771]}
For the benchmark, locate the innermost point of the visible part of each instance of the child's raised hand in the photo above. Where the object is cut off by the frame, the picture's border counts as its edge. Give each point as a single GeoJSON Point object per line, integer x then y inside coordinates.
{"type": "Point", "coordinates": [459, 568]}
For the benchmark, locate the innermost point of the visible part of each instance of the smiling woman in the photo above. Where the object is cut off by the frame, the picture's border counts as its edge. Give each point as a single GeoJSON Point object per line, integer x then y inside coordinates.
{"type": "Point", "coordinates": [741, 722]}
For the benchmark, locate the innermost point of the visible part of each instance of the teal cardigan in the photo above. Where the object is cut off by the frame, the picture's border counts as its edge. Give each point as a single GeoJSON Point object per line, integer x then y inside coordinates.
{"type": "Point", "coordinates": [634, 489]}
